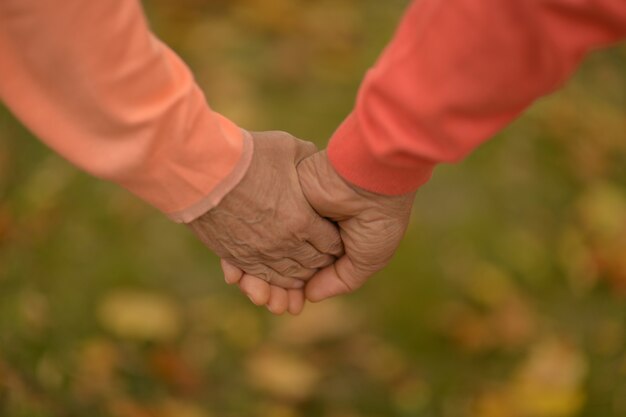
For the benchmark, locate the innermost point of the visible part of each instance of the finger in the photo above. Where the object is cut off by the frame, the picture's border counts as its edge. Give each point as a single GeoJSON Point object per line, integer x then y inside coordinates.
{"type": "Point", "coordinates": [296, 301]}
{"type": "Point", "coordinates": [279, 280]}
{"type": "Point", "coordinates": [292, 268]}
{"type": "Point", "coordinates": [304, 149]}
{"type": "Point", "coordinates": [340, 278]}
{"type": "Point", "coordinates": [257, 290]}
{"type": "Point", "coordinates": [324, 236]}
{"type": "Point", "coordinates": [309, 257]}
{"type": "Point", "coordinates": [232, 274]}
{"type": "Point", "coordinates": [270, 275]}
{"type": "Point", "coordinates": [278, 300]}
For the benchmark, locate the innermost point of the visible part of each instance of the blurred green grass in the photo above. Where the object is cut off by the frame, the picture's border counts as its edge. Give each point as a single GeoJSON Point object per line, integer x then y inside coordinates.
{"type": "Point", "coordinates": [506, 298]}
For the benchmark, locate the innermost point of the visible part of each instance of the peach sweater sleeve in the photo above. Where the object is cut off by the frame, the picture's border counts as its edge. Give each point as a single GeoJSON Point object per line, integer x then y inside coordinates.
{"type": "Point", "coordinates": [90, 80]}
{"type": "Point", "coordinates": [455, 73]}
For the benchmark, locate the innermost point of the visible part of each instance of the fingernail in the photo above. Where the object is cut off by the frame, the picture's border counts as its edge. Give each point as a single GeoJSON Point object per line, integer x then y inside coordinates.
{"type": "Point", "coordinates": [251, 299]}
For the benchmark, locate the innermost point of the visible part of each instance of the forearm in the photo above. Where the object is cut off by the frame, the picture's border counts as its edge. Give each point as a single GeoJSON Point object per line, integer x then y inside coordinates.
{"type": "Point", "coordinates": [90, 80]}
{"type": "Point", "coordinates": [457, 72]}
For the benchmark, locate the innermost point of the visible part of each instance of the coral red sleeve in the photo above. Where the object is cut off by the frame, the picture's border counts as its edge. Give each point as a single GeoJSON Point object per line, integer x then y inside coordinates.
{"type": "Point", "coordinates": [90, 80]}
{"type": "Point", "coordinates": [455, 73]}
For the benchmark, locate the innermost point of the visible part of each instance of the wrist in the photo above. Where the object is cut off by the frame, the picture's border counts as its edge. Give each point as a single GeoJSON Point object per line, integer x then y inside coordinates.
{"type": "Point", "coordinates": [373, 164]}
{"type": "Point", "coordinates": [364, 192]}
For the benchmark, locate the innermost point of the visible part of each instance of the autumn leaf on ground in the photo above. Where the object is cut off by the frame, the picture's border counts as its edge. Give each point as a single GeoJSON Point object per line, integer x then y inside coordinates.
{"type": "Point", "coordinates": [281, 374]}
{"type": "Point", "coordinates": [549, 383]}
{"type": "Point", "coordinates": [139, 315]}
{"type": "Point", "coordinates": [321, 322]}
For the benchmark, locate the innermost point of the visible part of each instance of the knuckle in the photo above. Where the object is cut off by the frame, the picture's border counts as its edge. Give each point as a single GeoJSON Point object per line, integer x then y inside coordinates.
{"type": "Point", "coordinates": [265, 275]}
{"type": "Point", "coordinates": [335, 247]}
{"type": "Point", "coordinates": [258, 271]}
{"type": "Point", "coordinates": [291, 269]}
{"type": "Point", "coordinates": [244, 253]}
{"type": "Point", "coordinates": [305, 255]}
{"type": "Point", "coordinates": [316, 260]}
{"type": "Point", "coordinates": [299, 272]}
{"type": "Point", "coordinates": [321, 261]}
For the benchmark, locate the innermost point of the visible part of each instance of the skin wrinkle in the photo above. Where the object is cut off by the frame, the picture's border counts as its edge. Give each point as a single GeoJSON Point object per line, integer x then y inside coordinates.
{"type": "Point", "coordinates": [335, 248]}
{"type": "Point", "coordinates": [267, 216]}
{"type": "Point", "coordinates": [309, 260]}
{"type": "Point", "coordinates": [303, 270]}
{"type": "Point", "coordinates": [269, 275]}
{"type": "Point", "coordinates": [371, 227]}
{"type": "Point", "coordinates": [342, 280]}
{"type": "Point", "coordinates": [292, 268]}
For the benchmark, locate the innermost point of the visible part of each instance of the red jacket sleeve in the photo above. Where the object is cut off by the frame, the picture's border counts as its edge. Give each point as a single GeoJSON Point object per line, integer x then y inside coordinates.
{"type": "Point", "coordinates": [456, 72]}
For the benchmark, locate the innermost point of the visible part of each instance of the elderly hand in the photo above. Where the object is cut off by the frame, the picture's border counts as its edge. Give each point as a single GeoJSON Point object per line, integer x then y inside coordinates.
{"type": "Point", "coordinates": [371, 227]}
{"type": "Point", "coordinates": [265, 226]}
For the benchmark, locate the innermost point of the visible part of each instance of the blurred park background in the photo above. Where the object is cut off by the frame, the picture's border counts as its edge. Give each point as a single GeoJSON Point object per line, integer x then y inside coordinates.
{"type": "Point", "coordinates": [506, 299]}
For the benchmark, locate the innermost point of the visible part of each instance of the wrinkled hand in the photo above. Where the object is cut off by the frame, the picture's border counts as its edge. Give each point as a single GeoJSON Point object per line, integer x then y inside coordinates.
{"type": "Point", "coordinates": [265, 227]}
{"type": "Point", "coordinates": [371, 227]}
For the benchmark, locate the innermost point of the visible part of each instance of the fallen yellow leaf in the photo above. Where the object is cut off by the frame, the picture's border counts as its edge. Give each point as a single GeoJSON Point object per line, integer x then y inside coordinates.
{"type": "Point", "coordinates": [139, 315]}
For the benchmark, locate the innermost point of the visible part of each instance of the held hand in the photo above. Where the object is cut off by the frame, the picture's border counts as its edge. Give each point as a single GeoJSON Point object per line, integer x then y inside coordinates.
{"type": "Point", "coordinates": [371, 226]}
{"type": "Point", "coordinates": [265, 226]}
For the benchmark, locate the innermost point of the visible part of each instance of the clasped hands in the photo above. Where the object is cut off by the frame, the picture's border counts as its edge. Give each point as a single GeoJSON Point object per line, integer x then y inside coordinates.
{"type": "Point", "coordinates": [293, 229]}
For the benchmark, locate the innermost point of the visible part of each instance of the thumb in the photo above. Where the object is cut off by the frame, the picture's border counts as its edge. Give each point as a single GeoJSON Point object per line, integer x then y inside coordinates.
{"type": "Point", "coordinates": [342, 277]}
{"type": "Point", "coordinates": [304, 149]}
